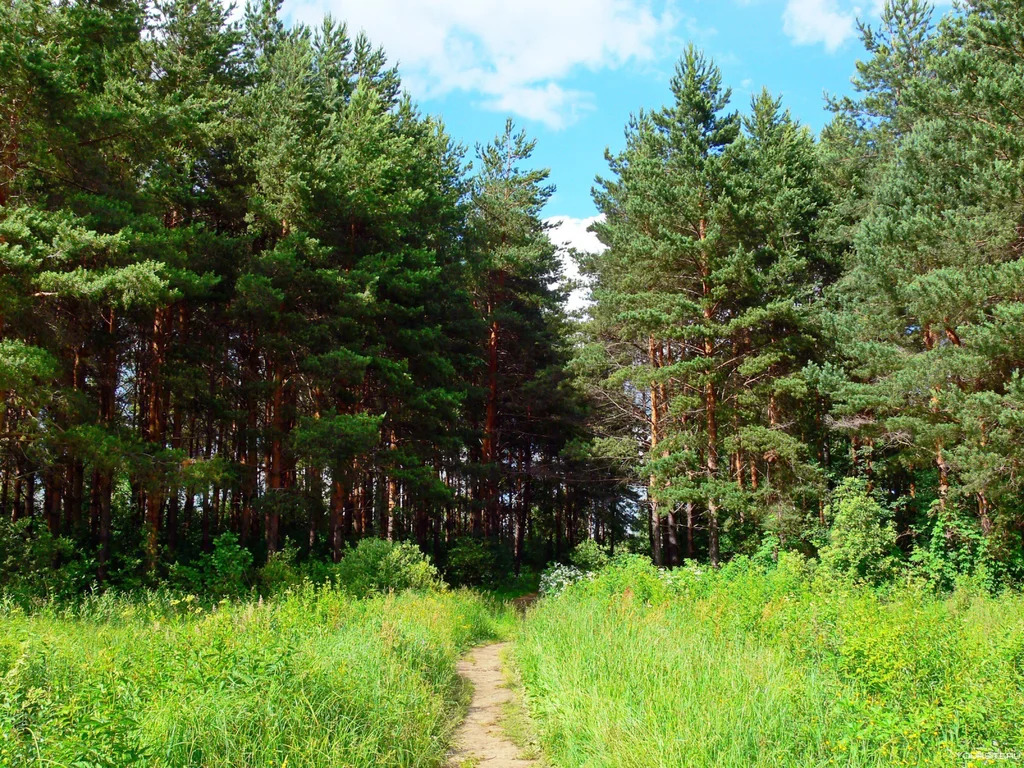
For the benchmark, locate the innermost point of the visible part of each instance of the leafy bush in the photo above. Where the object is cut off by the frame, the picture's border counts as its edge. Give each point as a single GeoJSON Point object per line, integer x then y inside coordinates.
{"type": "Point", "coordinates": [557, 577]}
{"type": "Point", "coordinates": [222, 572]}
{"type": "Point", "coordinates": [376, 565]}
{"type": "Point", "coordinates": [862, 539]}
{"type": "Point", "coordinates": [588, 556]}
{"type": "Point", "coordinates": [954, 548]}
{"type": "Point", "coordinates": [35, 563]}
{"type": "Point", "coordinates": [632, 576]}
{"type": "Point", "coordinates": [281, 570]}
{"type": "Point", "coordinates": [476, 562]}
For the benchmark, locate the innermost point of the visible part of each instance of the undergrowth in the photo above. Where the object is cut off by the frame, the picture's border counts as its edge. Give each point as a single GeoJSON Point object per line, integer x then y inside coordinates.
{"type": "Point", "coordinates": [755, 666]}
{"type": "Point", "coordinates": [312, 677]}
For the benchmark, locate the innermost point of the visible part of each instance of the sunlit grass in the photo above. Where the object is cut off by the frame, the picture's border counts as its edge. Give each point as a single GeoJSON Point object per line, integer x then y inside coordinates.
{"type": "Point", "coordinates": [752, 669]}
{"type": "Point", "coordinates": [311, 678]}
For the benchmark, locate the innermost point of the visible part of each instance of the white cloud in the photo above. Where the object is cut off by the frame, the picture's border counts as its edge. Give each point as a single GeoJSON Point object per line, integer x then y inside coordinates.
{"type": "Point", "coordinates": [810, 22]}
{"type": "Point", "coordinates": [549, 104]}
{"type": "Point", "coordinates": [568, 234]}
{"type": "Point", "coordinates": [513, 54]}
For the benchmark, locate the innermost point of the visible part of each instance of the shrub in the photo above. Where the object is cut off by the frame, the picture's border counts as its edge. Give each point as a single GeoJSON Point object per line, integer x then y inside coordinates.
{"type": "Point", "coordinates": [556, 577]}
{"type": "Point", "coordinates": [280, 571]}
{"type": "Point", "coordinates": [376, 565]}
{"type": "Point", "coordinates": [35, 563]}
{"type": "Point", "coordinates": [862, 538]}
{"type": "Point", "coordinates": [589, 556]}
{"type": "Point", "coordinates": [954, 548]}
{"type": "Point", "coordinates": [632, 575]}
{"type": "Point", "coordinates": [222, 572]}
{"type": "Point", "coordinates": [475, 562]}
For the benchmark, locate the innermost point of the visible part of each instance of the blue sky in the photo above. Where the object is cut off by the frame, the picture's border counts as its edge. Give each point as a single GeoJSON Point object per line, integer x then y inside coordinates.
{"type": "Point", "coordinates": [571, 71]}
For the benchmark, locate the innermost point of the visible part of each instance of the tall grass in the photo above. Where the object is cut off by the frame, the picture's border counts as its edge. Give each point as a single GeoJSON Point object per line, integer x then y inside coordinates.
{"type": "Point", "coordinates": [753, 668]}
{"type": "Point", "coordinates": [311, 678]}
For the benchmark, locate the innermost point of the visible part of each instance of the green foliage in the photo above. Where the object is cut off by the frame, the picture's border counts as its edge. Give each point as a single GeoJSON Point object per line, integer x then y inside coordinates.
{"type": "Point", "coordinates": [474, 562]}
{"type": "Point", "coordinates": [225, 571]}
{"type": "Point", "coordinates": [862, 539]}
{"type": "Point", "coordinates": [34, 563]}
{"type": "Point", "coordinates": [557, 577]}
{"type": "Point", "coordinates": [753, 666]}
{"type": "Point", "coordinates": [309, 678]}
{"type": "Point", "coordinates": [954, 548]}
{"type": "Point", "coordinates": [24, 368]}
{"type": "Point", "coordinates": [589, 556]}
{"type": "Point", "coordinates": [282, 571]}
{"type": "Point", "coordinates": [631, 577]}
{"type": "Point", "coordinates": [376, 566]}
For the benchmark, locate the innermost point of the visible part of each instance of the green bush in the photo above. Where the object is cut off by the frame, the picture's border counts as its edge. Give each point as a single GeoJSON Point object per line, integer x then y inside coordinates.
{"type": "Point", "coordinates": [862, 538]}
{"type": "Point", "coordinates": [281, 571]}
{"type": "Point", "coordinates": [376, 565]}
{"type": "Point", "coordinates": [476, 562]}
{"type": "Point", "coordinates": [225, 571]}
{"type": "Point", "coordinates": [34, 563]}
{"type": "Point", "coordinates": [631, 576]}
{"type": "Point", "coordinates": [953, 548]}
{"type": "Point", "coordinates": [589, 556]}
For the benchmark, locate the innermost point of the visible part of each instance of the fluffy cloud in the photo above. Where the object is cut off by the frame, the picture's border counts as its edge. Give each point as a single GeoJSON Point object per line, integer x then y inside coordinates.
{"type": "Point", "coordinates": [512, 54]}
{"type": "Point", "coordinates": [571, 234]}
{"type": "Point", "coordinates": [810, 22]}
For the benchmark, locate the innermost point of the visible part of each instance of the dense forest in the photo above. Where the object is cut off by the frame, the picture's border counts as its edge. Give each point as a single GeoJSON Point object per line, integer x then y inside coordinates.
{"type": "Point", "coordinates": [251, 295]}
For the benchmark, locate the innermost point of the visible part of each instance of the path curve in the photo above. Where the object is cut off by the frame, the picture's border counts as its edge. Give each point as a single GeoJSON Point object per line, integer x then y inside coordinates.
{"type": "Point", "coordinates": [480, 741]}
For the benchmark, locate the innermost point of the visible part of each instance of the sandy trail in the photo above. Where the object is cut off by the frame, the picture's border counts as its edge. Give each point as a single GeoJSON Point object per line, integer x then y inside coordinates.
{"type": "Point", "coordinates": [480, 742]}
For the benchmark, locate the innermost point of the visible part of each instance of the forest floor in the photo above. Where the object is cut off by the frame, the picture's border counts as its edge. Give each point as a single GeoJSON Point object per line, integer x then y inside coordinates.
{"type": "Point", "coordinates": [481, 740]}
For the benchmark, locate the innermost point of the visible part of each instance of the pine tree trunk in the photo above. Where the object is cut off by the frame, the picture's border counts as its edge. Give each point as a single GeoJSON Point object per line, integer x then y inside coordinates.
{"type": "Point", "coordinates": [559, 522]}
{"type": "Point", "coordinates": [524, 507]}
{"type": "Point", "coordinates": [711, 407]}
{"type": "Point", "coordinates": [672, 538]}
{"type": "Point", "coordinates": [75, 477]}
{"type": "Point", "coordinates": [5, 486]}
{"type": "Point", "coordinates": [654, 531]}
{"type": "Point", "coordinates": [155, 420]}
{"type": "Point", "coordinates": [104, 495]}
{"type": "Point", "coordinates": [8, 159]}
{"type": "Point", "coordinates": [315, 480]}
{"type": "Point", "coordinates": [51, 500]}
{"type": "Point", "coordinates": [348, 513]}
{"type": "Point", "coordinates": [275, 470]}
{"type": "Point", "coordinates": [491, 421]}
{"type": "Point", "coordinates": [652, 483]}
{"type": "Point", "coordinates": [391, 498]}
{"type": "Point", "coordinates": [338, 498]}
{"type": "Point", "coordinates": [103, 476]}
{"type": "Point", "coordinates": [691, 551]}
{"type": "Point", "coordinates": [943, 467]}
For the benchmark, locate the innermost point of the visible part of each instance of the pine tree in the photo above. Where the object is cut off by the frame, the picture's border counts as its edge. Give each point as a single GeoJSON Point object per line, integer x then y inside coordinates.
{"type": "Point", "coordinates": [936, 264]}
{"type": "Point", "coordinates": [660, 285]}
{"type": "Point", "coordinates": [517, 265]}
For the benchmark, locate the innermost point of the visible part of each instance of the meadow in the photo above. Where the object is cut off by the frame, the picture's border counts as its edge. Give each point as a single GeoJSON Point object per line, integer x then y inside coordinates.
{"type": "Point", "coordinates": [753, 666]}
{"type": "Point", "coordinates": [620, 665]}
{"type": "Point", "coordinates": [312, 677]}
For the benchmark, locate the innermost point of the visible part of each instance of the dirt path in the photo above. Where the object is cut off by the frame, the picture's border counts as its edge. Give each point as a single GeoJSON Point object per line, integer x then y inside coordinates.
{"type": "Point", "coordinates": [480, 742]}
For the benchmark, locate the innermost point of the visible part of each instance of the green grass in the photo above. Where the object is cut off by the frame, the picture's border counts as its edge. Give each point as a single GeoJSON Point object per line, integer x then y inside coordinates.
{"type": "Point", "coordinates": [308, 679]}
{"type": "Point", "coordinates": [516, 723]}
{"type": "Point", "coordinates": [517, 586]}
{"type": "Point", "coordinates": [747, 668]}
